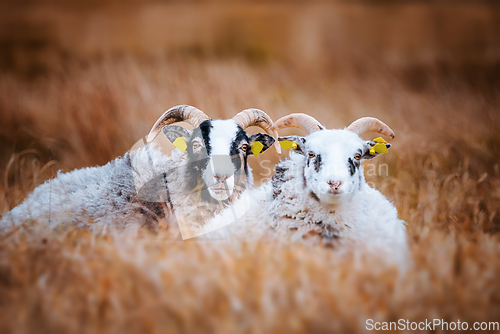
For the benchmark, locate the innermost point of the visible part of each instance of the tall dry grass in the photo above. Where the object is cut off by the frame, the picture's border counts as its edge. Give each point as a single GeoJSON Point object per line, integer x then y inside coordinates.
{"type": "Point", "coordinates": [444, 177]}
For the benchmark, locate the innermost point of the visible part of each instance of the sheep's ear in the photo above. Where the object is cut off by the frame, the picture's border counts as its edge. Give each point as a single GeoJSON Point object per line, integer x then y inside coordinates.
{"type": "Point", "coordinates": [177, 135]}
{"type": "Point", "coordinates": [375, 147]}
{"type": "Point", "coordinates": [260, 142]}
{"type": "Point", "coordinates": [174, 131]}
{"type": "Point", "coordinates": [296, 143]}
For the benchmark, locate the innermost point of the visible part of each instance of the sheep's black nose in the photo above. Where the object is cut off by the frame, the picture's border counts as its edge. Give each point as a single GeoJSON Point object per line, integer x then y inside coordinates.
{"type": "Point", "coordinates": [335, 185]}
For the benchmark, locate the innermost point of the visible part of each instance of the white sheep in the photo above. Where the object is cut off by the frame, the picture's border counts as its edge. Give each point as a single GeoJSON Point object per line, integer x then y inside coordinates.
{"type": "Point", "coordinates": [145, 185]}
{"type": "Point", "coordinates": [320, 191]}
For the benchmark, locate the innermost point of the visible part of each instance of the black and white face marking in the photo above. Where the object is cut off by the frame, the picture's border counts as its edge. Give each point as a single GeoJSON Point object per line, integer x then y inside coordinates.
{"type": "Point", "coordinates": [316, 161]}
{"type": "Point", "coordinates": [355, 162]}
{"type": "Point", "coordinates": [218, 152]}
{"type": "Point", "coordinates": [332, 166]}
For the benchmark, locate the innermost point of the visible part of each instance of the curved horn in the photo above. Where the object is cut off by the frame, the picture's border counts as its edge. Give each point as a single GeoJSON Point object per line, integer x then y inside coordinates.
{"type": "Point", "coordinates": [256, 117]}
{"type": "Point", "coordinates": [370, 124]}
{"type": "Point", "coordinates": [180, 113]}
{"type": "Point", "coordinates": [301, 121]}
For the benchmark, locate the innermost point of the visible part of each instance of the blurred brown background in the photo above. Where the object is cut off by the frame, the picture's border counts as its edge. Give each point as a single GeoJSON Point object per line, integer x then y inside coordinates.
{"type": "Point", "coordinates": [38, 36]}
{"type": "Point", "coordinates": [82, 81]}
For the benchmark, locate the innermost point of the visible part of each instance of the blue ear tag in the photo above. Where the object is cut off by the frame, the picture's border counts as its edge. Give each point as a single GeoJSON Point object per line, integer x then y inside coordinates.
{"type": "Point", "coordinates": [180, 143]}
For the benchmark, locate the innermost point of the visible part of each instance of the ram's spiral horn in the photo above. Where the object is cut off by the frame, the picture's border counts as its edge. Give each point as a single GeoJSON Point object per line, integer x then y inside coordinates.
{"type": "Point", "coordinates": [180, 113]}
{"type": "Point", "coordinates": [301, 121]}
{"type": "Point", "coordinates": [370, 124]}
{"type": "Point", "coordinates": [256, 117]}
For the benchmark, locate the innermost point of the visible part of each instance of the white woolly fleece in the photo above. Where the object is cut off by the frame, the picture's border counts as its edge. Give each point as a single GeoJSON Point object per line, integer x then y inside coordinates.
{"type": "Point", "coordinates": [90, 195]}
{"type": "Point", "coordinates": [363, 218]}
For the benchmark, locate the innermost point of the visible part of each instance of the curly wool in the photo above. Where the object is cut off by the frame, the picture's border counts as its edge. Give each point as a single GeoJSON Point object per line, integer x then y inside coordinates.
{"type": "Point", "coordinates": [367, 216]}
{"type": "Point", "coordinates": [94, 194]}
{"type": "Point", "coordinates": [283, 210]}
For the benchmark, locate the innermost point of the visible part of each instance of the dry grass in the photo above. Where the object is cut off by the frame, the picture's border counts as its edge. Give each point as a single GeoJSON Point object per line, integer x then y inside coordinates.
{"type": "Point", "coordinates": [444, 177]}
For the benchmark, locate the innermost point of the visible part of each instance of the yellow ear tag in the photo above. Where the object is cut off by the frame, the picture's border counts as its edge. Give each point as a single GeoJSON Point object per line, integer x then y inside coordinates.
{"type": "Point", "coordinates": [379, 140]}
{"type": "Point", "coordinates": [378, 148]}
{"type": "Point", "coordinates": [256, 148]}
{"type": "Point", "coordinates": [180, 143]}
{"type": "Point", "coordinates": [288, 144]}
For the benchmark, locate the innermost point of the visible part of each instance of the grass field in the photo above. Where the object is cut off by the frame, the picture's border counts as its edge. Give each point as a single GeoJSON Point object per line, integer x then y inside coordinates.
{"type": "Point", "coordinates": [442, 173]}
{"type": "Point", "coordinates": [444, 178]}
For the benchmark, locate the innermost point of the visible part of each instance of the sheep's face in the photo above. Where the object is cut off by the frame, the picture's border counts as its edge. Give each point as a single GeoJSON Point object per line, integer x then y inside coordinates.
{"type": "Point", "coordinates": [332, 163]}
{"type": "Point", "coordinates": [217, 153]}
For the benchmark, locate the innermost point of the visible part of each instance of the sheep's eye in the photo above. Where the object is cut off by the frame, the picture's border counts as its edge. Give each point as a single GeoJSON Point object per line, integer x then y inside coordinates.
{"type": "Point", "coordinates": [311, 155]}
{"type": "Point", "coordinates": [357, 156]}
{"type": "Point", "coordinates": [196, 145]}
{"type": "Point", "coordinates": [244, 148]}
